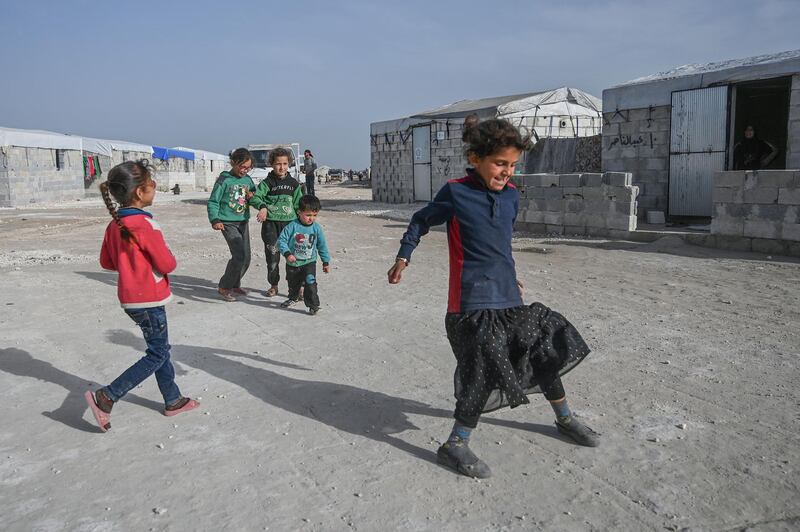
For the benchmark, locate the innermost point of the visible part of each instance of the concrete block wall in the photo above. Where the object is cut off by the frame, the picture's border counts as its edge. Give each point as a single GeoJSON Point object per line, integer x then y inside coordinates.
{"type": "Point", "coordinates": [175, 171]}
{"type": "Point", "coordinates": [447, 155]}
{"type": "Point", "coordinates": [391, 167]}
{"type": "Point", "coordinates": [793, 142]}
{"type": "Point", "coordinates": [596, 204]}
{"type": "Point", "coordinates": [758, 211]}
{"type": "Point", "coordinates": [30, 175]}
{"type": "Point", "coordinates": [637, 141]}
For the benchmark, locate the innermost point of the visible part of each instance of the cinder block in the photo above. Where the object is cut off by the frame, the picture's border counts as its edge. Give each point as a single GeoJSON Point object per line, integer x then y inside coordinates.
{"type": "Point", "coordinates": [769, 213]}
{"type": "Point", "coordinates": [761, 229]}
{"type": "Point", "coordinates": [776, 178]}
{"type": "Point", "coordinates": [656, 163]}
{"type": "Point", "coordinates": [532, 216]}
{"type": "Point", "coordinates": [770, 246]}
{"type": "Point", "coordinates": [523, 192]}
{"type": "Point", "coordinates": [623, 207]}
{"type": "Point", "coordinates": [727, 226]}
{"type": "Point", "coordinates": [569, 180]}
{"type": "Point", "coordinates": [728, 194]}
{"type": "Point", "coordinates": [790, 232]}
{"type": "Point", "coordinates": [535, 192]}
{"type": "Point", "coordinates": [617, 179]}
{"type": "Point", "coordinates": [729, 179]}
{"type": "Point", "coordinates": [540, 180]}
{"type": "Point", "coordinates": [553, 193]}
{"type": "Point", "coordinates": [734, 243]}
{"type": "Point", "coordinates": [656, 217]}
{"type": "Point", "coordinates": [761, 195]}
{"type": "Point", "coordinates": [591, 180]}
{"type": "Point", "coordinates": [789, 196]}
{"type": "Point", "coordinates": [618, 193]}
{"type": "Point", "coordinates": [574, 218]}
{"type": "Point", "coordinates": [621, 222]}
{"type": "Point", "coordinates": [557, 229]}
{"type": "Point", "coordinates": [574, 205]}
{"type": "Point", "coordinates": [574, 230]}
{"type": "Point", "coordinates": [792, 214]}
{"type": "Point", "coordinates": [595, 220]}
{"type": "Point", "coordinates": [572, 192]}
{"type": "Point", "coordinates": [553, 218]}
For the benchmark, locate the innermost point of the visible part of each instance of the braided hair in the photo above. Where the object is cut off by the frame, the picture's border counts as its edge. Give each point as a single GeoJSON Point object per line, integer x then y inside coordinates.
{"type": "Point", "coordinates": [490, 136]}
{"type": "Point", "coordinates": [123, 180]}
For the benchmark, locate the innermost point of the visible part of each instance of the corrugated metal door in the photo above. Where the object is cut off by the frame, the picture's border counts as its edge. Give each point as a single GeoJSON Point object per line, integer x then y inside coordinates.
{"type": "Point", "coordinates": [698, 144]}
{"type": "Point", "coordinates": [421, 146]}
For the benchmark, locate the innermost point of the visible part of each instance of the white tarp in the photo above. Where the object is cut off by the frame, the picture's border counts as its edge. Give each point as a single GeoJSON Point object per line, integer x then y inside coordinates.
{"type": "Point", "coordinates": [205, 155]}
{"type": "Point", "coordinates": [35, 138]}
{"type": "Point", "coordinates": [564, 101]}
{"type": "Point", "coordinates": [105, 146]}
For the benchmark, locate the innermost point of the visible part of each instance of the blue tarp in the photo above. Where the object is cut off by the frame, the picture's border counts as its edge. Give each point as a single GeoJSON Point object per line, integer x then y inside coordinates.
{"type": "Point", "coordinates": [166, 153]}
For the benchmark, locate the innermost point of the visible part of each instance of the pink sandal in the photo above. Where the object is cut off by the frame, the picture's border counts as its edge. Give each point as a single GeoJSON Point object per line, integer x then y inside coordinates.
{"type": "Point", "coordinates": [103, 418]}
{"type": "Point", "coordinates": [190, 404]}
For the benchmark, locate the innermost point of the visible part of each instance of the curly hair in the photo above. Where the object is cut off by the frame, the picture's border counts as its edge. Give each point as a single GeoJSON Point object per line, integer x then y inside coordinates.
{"type": "Point", "coordinates": [490, 136]}
{"type": "Point", "coordinates": [280, 152]}
{"type": "Point", "coordinates": [122, 182]}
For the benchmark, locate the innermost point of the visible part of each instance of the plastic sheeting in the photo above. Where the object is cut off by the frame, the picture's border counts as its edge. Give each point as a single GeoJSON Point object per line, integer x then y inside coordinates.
{"type": "Point", "coordinates": [35, 138]}
{"type": "Point", "coordinates": [565, 101]}
{"type": "Point", "coordinates": [105, 147]}
{"type": "Point", "coordinates": [166, 153]}
{"type": "Point", "coordinates": [204, 155]}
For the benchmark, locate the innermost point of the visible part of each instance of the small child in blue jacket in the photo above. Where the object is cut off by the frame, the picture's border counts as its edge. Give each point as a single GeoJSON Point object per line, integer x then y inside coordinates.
{"type": "Point", "coordinates": [301, 241]}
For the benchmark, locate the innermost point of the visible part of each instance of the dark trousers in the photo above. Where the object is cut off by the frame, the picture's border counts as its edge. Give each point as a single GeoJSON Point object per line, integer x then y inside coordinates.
{"type": "Point", "coordinates": [237, 235]}
{"type": "Point", "coordinates": [153, 322]}
{"type": "Point", "coordinates": [310, 185]}
{"type": "Point", "coordinates": [305, 276]}
{"type": "Point", "coordinates": [270, 231]}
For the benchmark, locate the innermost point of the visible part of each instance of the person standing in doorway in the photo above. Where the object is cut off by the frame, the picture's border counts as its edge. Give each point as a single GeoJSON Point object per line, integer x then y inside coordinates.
{"type": "Point", "coordinates": [753, 153]}
{"type": "Point", "coordinates": [309, 167]}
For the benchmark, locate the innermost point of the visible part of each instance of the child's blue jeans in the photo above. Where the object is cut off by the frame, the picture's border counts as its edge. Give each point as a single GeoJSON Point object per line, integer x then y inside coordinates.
{"type": "Point", "coordinates": [153, 322]}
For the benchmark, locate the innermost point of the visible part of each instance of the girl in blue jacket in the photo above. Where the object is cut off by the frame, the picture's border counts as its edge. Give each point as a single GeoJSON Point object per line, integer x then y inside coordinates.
{"type": "Point", "coordinates": [504, 349]}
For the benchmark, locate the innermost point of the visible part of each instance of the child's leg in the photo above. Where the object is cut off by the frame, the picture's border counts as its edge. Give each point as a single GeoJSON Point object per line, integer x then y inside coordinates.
{"type": "Point", "coordinates": [233, 271]}
{"type": "Point", "coordinates": [269, 234]}
{"type": "Point", "coordinates": [244, 228]}
{"type": "Point", "coordinates": [310, 295]}
{"type": "Point", "coordinates": [565, 422]}
{"type": "Point", "coordinates": [294, 276]}
{"type": "Point", "coordinates": [153, 322]}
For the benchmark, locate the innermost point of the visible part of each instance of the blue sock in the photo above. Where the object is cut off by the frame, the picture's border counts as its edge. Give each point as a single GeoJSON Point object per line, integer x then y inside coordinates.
{"type": "Point", "coordinates": [459, 433]}
{"type": "Point", "coordinates": [561, 408]}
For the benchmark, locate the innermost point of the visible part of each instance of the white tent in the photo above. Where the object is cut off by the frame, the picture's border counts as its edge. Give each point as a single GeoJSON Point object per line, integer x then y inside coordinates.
{"type": "Point", "coordinates": [35, 138]}
{"type": "Point", "coordinates": [105, 147]}
{"type": "Point", "coordinates": [205, 155]}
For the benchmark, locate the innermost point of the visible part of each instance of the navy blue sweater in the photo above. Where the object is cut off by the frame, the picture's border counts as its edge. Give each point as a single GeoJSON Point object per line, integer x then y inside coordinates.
{"type": "Point", "coordinates": [480, 224]}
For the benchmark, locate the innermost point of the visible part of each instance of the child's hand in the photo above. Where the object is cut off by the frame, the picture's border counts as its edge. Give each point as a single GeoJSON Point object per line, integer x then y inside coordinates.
{"type": "Point", "coordinates": [249, 194]}
{"type": "Point", "coordinates": [521, 288]}
{"type": "Point", "coordinates": [396, 271]}
{"type": "Point", "coordinates": [218, 226]}
{"type": "Point", "coordinates": [262, 215]}
{"type": "Point", "coordinates": [291, 258]}
{"type": "Point", "coordinates": [326, 268]}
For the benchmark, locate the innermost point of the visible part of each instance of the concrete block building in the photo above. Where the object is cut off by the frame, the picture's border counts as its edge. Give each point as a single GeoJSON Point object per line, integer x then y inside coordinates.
{"type": "Point", "coordinates": [412, 157]}
{"type": "Point", "coordinates": [674, 130]}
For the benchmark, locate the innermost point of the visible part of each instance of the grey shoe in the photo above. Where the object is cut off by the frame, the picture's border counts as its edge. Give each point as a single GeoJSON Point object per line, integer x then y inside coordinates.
{"type": "Point", "coordinates": [577, 431]}
{"type": "Point", "coordinates": [288, 303]}
{"type": "Point", "coordinates": [459, 456]}
{"type": "Point", "coordinates": [313, 310]}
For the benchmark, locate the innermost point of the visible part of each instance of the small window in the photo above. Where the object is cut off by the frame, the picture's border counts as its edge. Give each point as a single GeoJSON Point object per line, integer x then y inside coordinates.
{"type": "Point", "coordinates": [60, 159]}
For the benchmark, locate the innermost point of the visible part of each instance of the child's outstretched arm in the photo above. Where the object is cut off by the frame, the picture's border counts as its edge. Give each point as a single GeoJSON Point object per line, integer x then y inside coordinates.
{"type": "Point", "coordinates": [437, 212]}
{"type": "Point", "coordinates": [322, 249]}
{"type": "Point", "coordinates": [259, 200]}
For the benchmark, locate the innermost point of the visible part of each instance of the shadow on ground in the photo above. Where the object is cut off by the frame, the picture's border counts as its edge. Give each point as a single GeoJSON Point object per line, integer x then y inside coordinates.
{"type": "Point", "coordinates": [70, 412]}
{"type": "Point", "coordinates": [346, 408]}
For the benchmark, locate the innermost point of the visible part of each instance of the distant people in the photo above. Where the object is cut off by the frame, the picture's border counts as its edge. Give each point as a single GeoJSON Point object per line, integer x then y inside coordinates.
{"type": "Point", "coordinates": [302, 242]}
{"type": "Point", "coordinates": [176, 189]}
{"type": "Point", "coordinates": [134, 247]}
{"type": "Point", "coordinates": [309, 167]}
{"type": "Point", "coordinates": [753, 153]}
{"type": "Point", "coordinates": [228, 212]}
{"type": "Point", "coordinates": [276, 199]}
{"type": "Point", "coordinates": [350, 174]}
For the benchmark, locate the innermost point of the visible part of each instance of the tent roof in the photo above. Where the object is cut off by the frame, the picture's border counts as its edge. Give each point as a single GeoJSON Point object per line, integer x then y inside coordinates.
{"type": "Point", "coordinates": [37, 138]}
{"type": "Point", "coordinates": [521, 103]}
{"type": "Point", "coordinates": [106, 146]}
{"type": "Point", "coordinates": [716, 66]}
{"type": "Point", "coordinates": [204, 155]}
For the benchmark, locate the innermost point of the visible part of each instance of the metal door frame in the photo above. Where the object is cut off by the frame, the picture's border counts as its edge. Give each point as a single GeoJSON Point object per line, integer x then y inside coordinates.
{"type": "Point", "coordinates": [727, 135]}
{"type": "Point", "coordinates": [429, 163]}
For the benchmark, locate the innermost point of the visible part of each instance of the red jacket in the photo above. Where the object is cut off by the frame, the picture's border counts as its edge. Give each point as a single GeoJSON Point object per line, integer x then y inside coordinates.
{"type": "Point", "coordinates": [142, 265]}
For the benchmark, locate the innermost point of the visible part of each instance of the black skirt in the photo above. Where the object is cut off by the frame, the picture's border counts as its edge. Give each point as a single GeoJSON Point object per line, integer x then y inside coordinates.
{"type": "Point", "coordinates": [504, 355]}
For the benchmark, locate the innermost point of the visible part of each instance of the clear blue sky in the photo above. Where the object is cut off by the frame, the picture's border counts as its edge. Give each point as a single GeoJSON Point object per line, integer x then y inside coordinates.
{"type": "Point", "coordinates": [217, 75]}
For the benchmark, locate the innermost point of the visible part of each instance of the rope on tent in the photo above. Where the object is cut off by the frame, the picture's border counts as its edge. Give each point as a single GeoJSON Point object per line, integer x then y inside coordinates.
{"type": "Point", "coordinates": [373, 139]}
{"type": "Point", "coordinates": [386, 137]}
{"type": "Point", "coordinates": [404, 139]}
{"type": "Point", "coordinates": [649, 116]}
{"type": "Point", "coordinates": [618, 112]}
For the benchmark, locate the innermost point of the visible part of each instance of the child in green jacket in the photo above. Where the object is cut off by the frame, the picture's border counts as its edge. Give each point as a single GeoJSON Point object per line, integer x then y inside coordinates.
{"type": "Point", "coordinates": [276, 199]}
{"type": "Point", "coordinates": [228, 212]}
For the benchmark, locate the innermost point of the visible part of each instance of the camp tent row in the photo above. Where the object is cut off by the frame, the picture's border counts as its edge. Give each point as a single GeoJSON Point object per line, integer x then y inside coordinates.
{"type": "Point", "coordinates": [38, 165]}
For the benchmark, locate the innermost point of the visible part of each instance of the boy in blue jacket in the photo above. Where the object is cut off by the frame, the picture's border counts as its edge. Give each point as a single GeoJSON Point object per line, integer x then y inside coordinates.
{"type": "Point", "coordinates": [301, 241]}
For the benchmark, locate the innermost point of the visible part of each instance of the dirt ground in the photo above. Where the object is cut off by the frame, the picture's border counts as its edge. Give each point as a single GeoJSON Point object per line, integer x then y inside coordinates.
{"type": "Point", "coordinates": [331, 422]}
